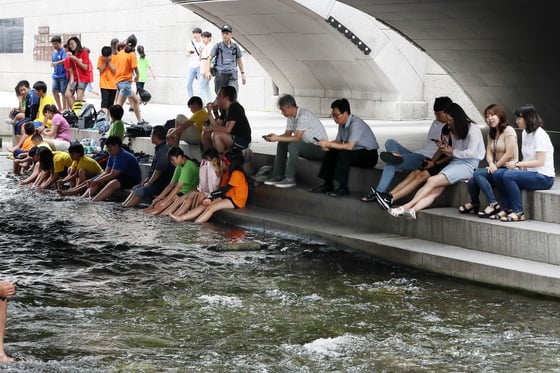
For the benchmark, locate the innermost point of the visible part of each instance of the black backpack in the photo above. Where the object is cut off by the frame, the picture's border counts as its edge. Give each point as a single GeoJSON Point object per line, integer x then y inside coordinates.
{"type": "Point", "coordinates": [138, 130]}
{"type": "Point", "coordinates": [87, 116]}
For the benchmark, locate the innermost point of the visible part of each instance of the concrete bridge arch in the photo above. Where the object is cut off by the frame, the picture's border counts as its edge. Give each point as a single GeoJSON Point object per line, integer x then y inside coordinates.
{"type": "Point", "coordinates": [475, 51]}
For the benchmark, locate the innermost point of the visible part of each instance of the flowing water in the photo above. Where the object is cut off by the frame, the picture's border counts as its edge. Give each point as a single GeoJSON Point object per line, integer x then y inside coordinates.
{"type": "Point", "coordinates": [104, 289]}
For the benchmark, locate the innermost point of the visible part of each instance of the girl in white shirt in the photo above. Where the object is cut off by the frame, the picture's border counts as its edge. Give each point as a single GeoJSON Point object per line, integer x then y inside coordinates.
{"type": "Point", "coordinates": [534, 172]}
{"type": "Point", "coordinates": [467, 151]}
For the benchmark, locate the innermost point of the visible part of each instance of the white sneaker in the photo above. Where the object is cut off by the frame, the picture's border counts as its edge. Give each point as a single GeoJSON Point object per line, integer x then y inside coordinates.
{"type": "Point", "coordinates": [396, 212]}
{"type": "Point", "coordinates": [9, 121]}
{"type": "Point", "coordinates": [286, 183]}
{"type": "Point", "coordinates": [272, 181]}
{"type": "Point", "coordinates": [410, 214]}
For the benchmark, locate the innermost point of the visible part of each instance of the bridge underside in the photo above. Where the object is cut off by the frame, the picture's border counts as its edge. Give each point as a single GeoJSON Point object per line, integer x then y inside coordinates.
{"type": "Point", "coordinates": [494, 51]}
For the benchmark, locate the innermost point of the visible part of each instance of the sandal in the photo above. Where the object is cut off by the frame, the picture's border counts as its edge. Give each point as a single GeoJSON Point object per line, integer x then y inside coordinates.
{"type": "Point", "coordinates": [499, 215]}
{"type": "Point", "coordinates": [514, 216]}
{"type": "Point", "coordinates": [468, 207]}
{"type": "Point", "coordinates": [491, 209]}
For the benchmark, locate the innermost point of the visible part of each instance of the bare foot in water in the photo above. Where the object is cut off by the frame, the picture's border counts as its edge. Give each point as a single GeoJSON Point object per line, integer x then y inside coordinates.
{"type": "Point", "coordinates": [5, 359]}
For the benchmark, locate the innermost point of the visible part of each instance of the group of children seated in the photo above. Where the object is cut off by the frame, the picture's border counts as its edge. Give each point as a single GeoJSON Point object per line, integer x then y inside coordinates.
{"type": "Point", "coordinates": [176, 185]}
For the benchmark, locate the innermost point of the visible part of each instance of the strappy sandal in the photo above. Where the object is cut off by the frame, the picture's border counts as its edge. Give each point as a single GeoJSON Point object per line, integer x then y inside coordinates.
{"type": "Point", "coordinates": [514, 216]}
{"type": "Point", "coordinates": [499, 215]}
{"type": "Point", "coordinates": [490, 210]}
{"type": "Point", "coordinates": [468, 207]}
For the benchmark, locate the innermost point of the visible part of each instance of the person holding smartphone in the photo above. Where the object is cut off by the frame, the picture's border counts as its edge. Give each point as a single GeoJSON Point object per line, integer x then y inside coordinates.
{"type": "Point", "coordinates": [399, 158]}
{"type": "Point", "coordinates": [303, 131]}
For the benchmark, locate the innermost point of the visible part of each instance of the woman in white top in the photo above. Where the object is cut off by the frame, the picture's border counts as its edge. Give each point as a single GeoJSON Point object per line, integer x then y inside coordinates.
{"type": "Point", "coordinates": [534, 172]}
{"type": "Point", "coordinates": [467, 151]}
{"type": "Point", "coordinates": [501, 148]}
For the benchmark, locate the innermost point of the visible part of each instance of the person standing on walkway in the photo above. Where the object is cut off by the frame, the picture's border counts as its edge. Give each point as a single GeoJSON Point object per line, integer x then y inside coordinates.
{"type": "Point", "coordinates": [205, 76]}
{"type": "Point", "coordinates": [194, 49]}
{"type": "Point", "coordinates": [227, 56]}
{"type": "Point", "coordinates": [7, 290]}
{"type": "Point", "coordinates": [107, 83]}
{"type": "Point", "coordinates": [298, 140]}
{"type": "Point", "coordinates": [59, 79]}
{"type": "Point", "coordinates": [144, 66]}
{"type": "Point", "coordinates": [126, 66]}
{"type": "Point", "coordinates": [354, 145]}
{"type": "Point", "coordinates": [80, 68]}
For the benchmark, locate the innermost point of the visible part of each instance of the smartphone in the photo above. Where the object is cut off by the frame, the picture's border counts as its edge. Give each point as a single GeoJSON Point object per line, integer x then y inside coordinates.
{"type": "Point", "coordinates": [316, 139]}
{"type": "Point", "coordinates": [264, 137]}
{"type": "Point", "coordinates": [436, 140]}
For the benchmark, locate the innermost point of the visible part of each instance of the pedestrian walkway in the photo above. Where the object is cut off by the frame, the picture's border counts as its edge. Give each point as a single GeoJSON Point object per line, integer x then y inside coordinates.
{"type": "Point", "coordinates": [409, 133]}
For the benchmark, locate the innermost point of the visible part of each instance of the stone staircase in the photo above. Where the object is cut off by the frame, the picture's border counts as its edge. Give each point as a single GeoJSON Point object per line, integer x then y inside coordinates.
{"type": "Point", "coordinates": [521, 255]}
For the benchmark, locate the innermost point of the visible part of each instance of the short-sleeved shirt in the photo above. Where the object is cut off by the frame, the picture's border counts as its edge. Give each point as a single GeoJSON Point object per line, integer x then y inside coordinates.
{"type": "Point", "coordinates": [239, 190]}
{"type": "Point", "coordinates": [61, 161]}
{"type": "Point", "coordinates": [115, 129]}
{"type": "Point", "coordinates": [196, 47]}
{"type": "Point", "coordinates": [87, 163]}
{"type": "Point", "coordinates": [127, 164]}
{"type": "Point", "coordinates": [186, 174]}
{"type": "Point", "coordinates": [44, 101]}
{"type": "Point", "coordinates": [538, 141]}
{"type": "Point", "coordinates": [31, 105]}
{"type": "Point", "coordinates": [161, 163]}
{"type": "Point", "coordinates": [357, 131]}
{"type": "Point", "coordinates": [143, 64]}
{"type": "Point", "coordinates": [27, 144]}
{"type": "Point", "coordinates": [236, 113]}
{"type": "Point", "coordinates": [63, 131]}
{"type": "Point", "coordinates": [59, 70]}
{"type": "Point", "coordinates": [226, 57]}
{"type": "Point", "coordinates": [125, 63]}
{"type": "Point", "coordinates": [106, 78]}
{"type": "Point", "coordinates": [81, 75]}
{"type": "Point", "coordinates": [308, 122]}
{"type": "Point", "coordinates": [199, 118]}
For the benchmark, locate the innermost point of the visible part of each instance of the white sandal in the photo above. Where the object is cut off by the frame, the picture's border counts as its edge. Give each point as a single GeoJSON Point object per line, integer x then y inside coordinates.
{"type": "Point", "coordinates": [396, 212]}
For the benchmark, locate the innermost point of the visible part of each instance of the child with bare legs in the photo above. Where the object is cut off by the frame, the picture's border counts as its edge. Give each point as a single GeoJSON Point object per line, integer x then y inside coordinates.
{"type": "Point", "coordinates": [185, 179]}
{"type": "Point", "coordinates": [233, 194]}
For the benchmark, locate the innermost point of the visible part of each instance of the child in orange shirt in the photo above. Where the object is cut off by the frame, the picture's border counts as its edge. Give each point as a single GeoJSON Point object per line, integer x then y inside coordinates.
{"type": "Point", "coordinates": [233, 193]}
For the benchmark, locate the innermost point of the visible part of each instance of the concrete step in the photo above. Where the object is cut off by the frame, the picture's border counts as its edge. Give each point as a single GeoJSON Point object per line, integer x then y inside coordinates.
{"type": "Point", "coordinates": [483, 267]}
{"type": "Point", "coordinates": [531, 240]}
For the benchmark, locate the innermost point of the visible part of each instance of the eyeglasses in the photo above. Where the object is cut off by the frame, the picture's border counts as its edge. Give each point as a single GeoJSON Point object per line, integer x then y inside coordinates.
{"type": "Point", "coordinates": [335, 115]}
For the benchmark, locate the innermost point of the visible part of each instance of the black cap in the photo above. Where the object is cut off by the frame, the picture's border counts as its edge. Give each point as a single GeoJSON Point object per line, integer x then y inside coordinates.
{"type": "Point", "coordinates": [197, 30]}
{"type": "Point", "coordinates": [227, 28]}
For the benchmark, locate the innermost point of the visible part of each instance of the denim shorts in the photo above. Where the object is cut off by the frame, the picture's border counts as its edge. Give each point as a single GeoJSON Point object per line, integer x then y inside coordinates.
{"type": "Point", "coordinates": [240, 142]}
{"type": "Point", "coordinates": [125, 88]}
{"type": "Point", "coordinates": [59, 85]}
{"type": "Point", "coordinates": [82, 85]}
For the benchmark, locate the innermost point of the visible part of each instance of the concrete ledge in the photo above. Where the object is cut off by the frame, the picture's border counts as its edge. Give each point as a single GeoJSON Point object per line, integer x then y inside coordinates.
{"type": "Point", "coordinates": [499, 270]}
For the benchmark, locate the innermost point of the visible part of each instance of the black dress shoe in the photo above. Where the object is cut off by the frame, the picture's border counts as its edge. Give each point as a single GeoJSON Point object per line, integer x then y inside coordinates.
{"type": "Point", "coordinates": [389, 157]}
{"type": "Point", "coordinates": [339, 192]}
{"type": "Point", "coordinates": [325, 188]}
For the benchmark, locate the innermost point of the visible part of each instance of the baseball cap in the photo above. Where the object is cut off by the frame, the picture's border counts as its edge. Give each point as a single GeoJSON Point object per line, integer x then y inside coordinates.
{"type": "Point", "coordinates": [226, 28]}
{"type": "Point", "coordinates": [197, 30]}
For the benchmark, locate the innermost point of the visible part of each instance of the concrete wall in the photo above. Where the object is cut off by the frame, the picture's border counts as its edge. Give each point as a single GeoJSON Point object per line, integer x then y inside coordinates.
{"type": "Point", "coordinates": [161, 26]}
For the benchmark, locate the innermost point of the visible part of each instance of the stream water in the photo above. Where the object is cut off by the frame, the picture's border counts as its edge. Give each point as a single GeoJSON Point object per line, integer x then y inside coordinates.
{"type": "Point", "coordinates": [104, 289]}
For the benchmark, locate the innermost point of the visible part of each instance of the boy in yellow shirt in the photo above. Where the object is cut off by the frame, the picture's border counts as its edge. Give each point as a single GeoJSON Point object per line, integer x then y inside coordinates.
{"type": "Point", "coordinates": [189, 130]}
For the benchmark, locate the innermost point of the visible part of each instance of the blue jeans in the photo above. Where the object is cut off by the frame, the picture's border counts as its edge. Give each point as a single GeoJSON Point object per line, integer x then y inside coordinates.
{"type": "Point", "coordinates": [194, 73]}
{"type": "Point", "coordinates": [204, 89]}
{"type": "Point", "coordinates": [482, 181]}
{"type": "Point", "coordinates": [411, 161]}
{"type": "Point", "coordinates": [510, 182]}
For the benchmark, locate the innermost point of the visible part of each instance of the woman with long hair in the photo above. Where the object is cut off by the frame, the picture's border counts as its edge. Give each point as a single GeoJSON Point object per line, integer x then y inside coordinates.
{"type": "Point", "coordinates": [467, 151]}
{"type": "Point", "coordinates": [232, 195]}
{"type": "Point", "coordinates": [534, 172]}
{"type": "Point", "coordinates": [501, 147]}
{"type": "Point", "coordinates": [79, 66]}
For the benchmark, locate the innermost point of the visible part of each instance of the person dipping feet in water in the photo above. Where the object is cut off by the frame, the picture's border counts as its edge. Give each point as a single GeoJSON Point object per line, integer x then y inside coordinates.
{"type": "Point", "coordinates": [7, 290]}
